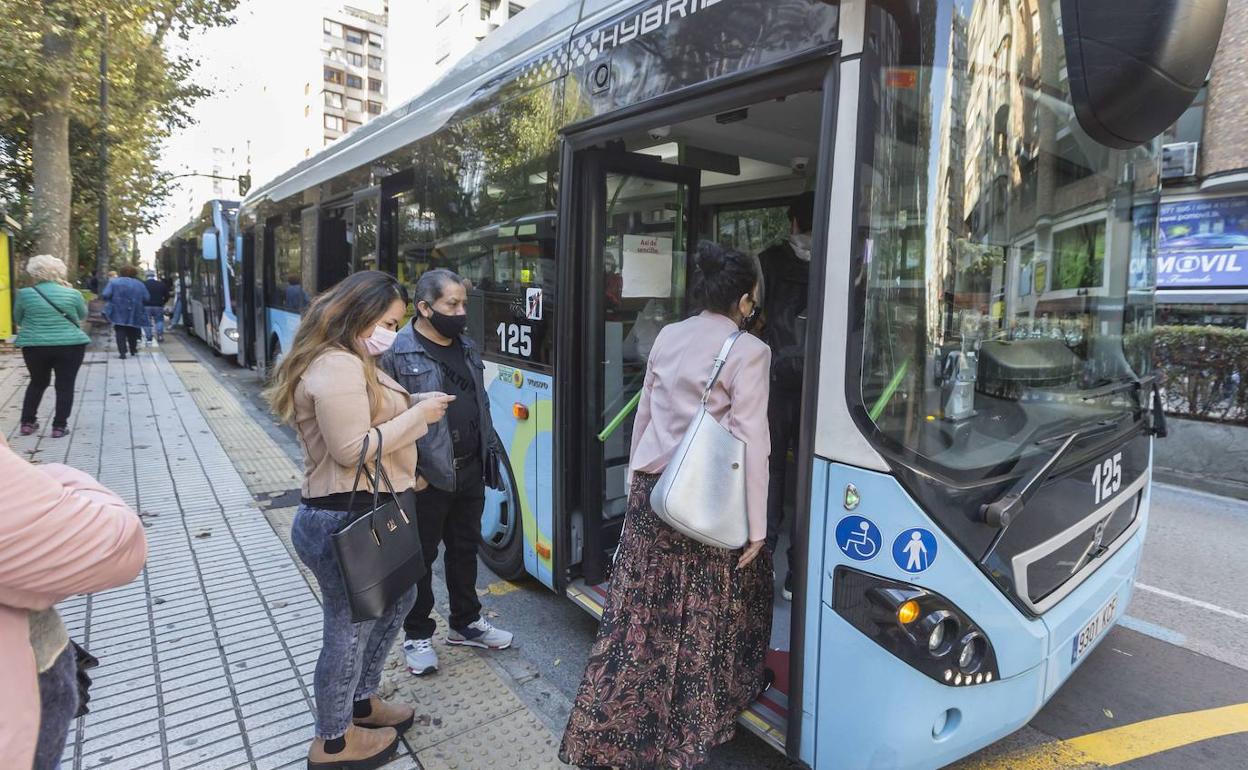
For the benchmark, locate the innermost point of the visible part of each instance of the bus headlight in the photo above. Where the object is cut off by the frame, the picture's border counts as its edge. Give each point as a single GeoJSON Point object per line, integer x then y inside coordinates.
{"type": "Point", "coordinates": [943, 642]}
{"type": "Point", "coordinates": [971, 652]}
{"type": "Point", "coordinates": [231, 334]}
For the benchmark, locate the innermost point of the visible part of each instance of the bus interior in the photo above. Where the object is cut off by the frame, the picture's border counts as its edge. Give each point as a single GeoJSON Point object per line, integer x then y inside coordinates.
{"type": "Point", "coordinates": [649, 196]}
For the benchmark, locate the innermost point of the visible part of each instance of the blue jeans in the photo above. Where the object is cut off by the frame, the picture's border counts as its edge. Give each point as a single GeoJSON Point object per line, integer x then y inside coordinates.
{"type": "Point", "coordinates": [155, 317]}
{"type": "Point", "coordinates": [352, 654]}
{"type": "Point", "coordinates": [176, 318]}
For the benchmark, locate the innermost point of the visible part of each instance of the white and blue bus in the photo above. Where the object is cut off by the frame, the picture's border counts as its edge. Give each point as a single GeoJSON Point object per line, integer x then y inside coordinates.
{"type": "Point", "coordinates": [204, 261]}
{"type": "Point", "coordinates": [972, 476]}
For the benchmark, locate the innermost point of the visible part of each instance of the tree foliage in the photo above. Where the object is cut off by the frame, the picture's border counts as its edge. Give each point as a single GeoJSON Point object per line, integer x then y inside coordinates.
{"type": "Point", "coordinates": [151, 92]}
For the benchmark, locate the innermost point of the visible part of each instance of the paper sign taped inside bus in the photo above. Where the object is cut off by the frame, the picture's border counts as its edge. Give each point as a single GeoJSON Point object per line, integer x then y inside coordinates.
{"type": "Point", "coordinates": [647, 268]}
{"type": "Point", "coordinates": [901, 77]}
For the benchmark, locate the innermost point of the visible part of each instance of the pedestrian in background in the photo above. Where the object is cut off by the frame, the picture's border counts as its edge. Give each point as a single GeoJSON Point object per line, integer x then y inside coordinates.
{"type": "Point", "coordinates": [330, 389]}
{"type": "Point", "coordinates": [457, 458]}
{"type": "Point", "coordinates": [179, 308]}
{"type": "Point", "coordinates": [61, 534]}
{"type": "Point", "coordinates": [685, 627]}
{"type": "Point", "coordinates": [127, 309]}
{"type": "Point", "coordinates": [49, 316]}
{"type": "Point", "coordinates": [157, 296]}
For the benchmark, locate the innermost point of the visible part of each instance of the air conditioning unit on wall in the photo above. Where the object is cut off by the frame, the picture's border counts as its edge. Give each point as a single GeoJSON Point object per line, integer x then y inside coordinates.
{"type": "Point", "coordinates": [1178, 160]}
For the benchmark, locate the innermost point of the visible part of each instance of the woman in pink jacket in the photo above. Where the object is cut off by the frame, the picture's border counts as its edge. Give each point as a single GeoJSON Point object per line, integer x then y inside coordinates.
{"type": "Point", "coordinates": [683, 638]}
{"type": "Point", "coordinates": [61, 534]}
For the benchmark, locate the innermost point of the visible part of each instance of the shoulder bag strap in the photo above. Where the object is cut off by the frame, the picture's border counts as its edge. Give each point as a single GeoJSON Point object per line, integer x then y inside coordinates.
{"type": "Point", "coordinates": [359, 469]}
{"type": "Point", "coordinates": [719, 364]}
{"type": "Point", "coordinates": [54, 307]}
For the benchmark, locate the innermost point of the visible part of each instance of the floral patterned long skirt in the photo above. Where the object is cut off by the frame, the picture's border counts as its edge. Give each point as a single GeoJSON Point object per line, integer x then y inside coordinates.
{"type": "Point", "coordinates": [679, 653]}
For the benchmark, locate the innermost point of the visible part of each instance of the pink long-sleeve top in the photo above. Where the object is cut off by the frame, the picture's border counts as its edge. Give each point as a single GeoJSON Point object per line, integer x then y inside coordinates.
{"type": "Point", "coordinates": [676, 374]}
{"type": "Point", "coordinates": [61, 533]}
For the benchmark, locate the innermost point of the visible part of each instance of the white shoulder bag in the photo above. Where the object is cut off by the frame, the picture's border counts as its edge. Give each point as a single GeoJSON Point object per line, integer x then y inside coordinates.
{"type": "Point", "coordinates": [701, 493]}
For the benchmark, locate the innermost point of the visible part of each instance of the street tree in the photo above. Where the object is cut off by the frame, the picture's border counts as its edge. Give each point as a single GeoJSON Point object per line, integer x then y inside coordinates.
{"type": "Point", "coordinates": [50, 122]}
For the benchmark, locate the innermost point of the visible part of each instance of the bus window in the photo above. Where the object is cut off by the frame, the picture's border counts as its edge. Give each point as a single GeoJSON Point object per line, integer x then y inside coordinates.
{"type": "Point", "coordinates": [999, 289]}
{"type": "Point", "coordinates": [481, 204]}
{"type": "Point", "coordinates": [751, 230]}
{"type": "Point", "coordinates": [288, 291]}
{"type": "Point", "coordinates": [364, 247]}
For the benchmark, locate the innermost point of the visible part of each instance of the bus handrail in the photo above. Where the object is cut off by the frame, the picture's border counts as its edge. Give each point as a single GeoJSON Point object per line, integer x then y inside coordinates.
{"type": "Point", "coordinates": [619, 418]}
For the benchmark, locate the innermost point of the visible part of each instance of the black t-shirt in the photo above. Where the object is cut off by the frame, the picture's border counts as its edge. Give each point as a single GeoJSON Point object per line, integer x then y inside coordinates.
{"type": "Point", "coordinates": [462, 416]}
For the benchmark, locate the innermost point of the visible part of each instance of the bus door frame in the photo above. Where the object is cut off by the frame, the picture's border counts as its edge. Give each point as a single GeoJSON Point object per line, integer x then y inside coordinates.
{"type": "Point", "coordinates": [592, 168]}
{"type": "Point", "coordinates": [246, 304]}
{"type": "Point", "coordinates": [815, 68]}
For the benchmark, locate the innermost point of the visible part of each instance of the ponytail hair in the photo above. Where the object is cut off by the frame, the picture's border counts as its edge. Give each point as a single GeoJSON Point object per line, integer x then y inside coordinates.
{"type": "Point", "coordinates": [722, 276]}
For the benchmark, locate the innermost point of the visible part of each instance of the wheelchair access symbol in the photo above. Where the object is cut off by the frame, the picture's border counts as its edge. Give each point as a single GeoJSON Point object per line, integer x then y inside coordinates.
{"type": "Point", "coordinates": [858, 538]}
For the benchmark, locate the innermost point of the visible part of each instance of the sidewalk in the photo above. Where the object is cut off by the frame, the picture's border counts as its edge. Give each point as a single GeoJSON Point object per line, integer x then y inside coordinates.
{"type": "Point", "coordinates": [207, 657]}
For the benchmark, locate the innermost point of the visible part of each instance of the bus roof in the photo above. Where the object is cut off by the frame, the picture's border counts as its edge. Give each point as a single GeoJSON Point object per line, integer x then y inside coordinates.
{"type": "Point", "coordinates": [545, 25]}
{"type": "Point", "coordinates": [194, 223]}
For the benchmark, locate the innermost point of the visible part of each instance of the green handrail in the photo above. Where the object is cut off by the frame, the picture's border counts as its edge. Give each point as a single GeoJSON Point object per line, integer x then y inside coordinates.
{"type": "Point", "coordinates": [619, 418]}
{"type": "Point", "coordinates": [893, 384]}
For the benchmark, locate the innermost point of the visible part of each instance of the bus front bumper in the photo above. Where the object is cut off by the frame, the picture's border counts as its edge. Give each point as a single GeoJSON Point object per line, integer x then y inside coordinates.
{"type": "Point", "coordinates": [875, 711]}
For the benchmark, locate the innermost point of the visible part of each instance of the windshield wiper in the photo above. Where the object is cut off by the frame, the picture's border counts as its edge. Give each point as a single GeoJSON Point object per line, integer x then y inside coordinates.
{"type": "Point", "coordinates": [1003, 511]}
{"type": "Point", "coordinates": [1157, 425]}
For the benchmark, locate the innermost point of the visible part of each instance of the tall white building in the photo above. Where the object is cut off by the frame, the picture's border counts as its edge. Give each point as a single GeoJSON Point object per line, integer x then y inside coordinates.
{"type": "Point", "coordinates": [432, 35]}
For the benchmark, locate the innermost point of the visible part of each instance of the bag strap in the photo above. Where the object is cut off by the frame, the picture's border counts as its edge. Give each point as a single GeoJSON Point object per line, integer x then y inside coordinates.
{"type": "Point", "coordinates": [719, 364]}
{"type": "Point", "coordinates": [54, 307]}
{"type": "Point", "coordinates": [359, 469]}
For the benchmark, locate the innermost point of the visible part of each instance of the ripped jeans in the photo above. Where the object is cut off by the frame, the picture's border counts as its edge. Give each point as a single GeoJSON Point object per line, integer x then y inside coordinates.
{"type": "Point", "coordinates": [352, 654]}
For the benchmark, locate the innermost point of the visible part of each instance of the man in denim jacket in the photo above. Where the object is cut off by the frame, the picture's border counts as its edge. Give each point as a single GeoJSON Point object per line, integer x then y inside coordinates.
{"type": "Point", "coordinates": [456, 457]}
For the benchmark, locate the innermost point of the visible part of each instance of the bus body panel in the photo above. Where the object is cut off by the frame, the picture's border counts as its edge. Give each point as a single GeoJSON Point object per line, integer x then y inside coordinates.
{"type": "Point", "coordinates": [891, 718]}
{"type": "Point", "coordinates": [282, 325]}
{"type": "Point", "coordinates": [877, 712]}
{"type": "Point", "coordinates": [528, 444]}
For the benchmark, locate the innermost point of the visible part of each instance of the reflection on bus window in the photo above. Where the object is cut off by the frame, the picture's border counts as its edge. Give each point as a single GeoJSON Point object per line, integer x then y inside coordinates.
{"type": "Point", "coordinates": [288, 291]}
{"type": "Point", "coordinates": [481, 203]}
{"type": "Point", "coordinates": [1006, 274]}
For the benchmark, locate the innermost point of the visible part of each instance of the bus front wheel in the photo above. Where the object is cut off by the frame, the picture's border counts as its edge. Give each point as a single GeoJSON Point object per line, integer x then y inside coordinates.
{"type": "Point", "coordinates": [502, 527]}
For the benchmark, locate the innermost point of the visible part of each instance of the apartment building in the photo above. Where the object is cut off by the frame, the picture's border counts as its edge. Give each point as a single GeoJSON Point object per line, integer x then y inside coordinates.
{"type": "Point", "coordinates": [1202, 259]}
{"type": "Point", "coordinates": [442, 33]}
{"type": "Point", "coordinates": [353, 77]}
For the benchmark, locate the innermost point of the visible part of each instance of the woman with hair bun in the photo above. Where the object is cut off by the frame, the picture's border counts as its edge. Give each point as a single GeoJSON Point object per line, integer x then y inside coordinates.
{"type": "Point", "coordinates": [684, 631]}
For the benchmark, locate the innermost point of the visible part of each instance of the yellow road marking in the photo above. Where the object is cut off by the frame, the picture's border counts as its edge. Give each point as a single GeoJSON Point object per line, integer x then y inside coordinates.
{"type": "Point", "coordinates": [502, 588]}
{"type": "Point", "coordinates": [1113, 747]}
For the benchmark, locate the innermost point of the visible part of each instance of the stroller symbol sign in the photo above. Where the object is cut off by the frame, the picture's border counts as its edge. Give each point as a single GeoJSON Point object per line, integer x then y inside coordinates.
{"type": "Point", "coordinates": [858, 538]}
{"type": "Point", "coordinates": [914, 550]}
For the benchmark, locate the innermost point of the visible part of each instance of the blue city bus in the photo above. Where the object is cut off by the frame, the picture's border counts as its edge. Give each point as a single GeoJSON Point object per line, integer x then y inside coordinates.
{"type": "Point", "coordinates": [204, 260]}
{"type": "Point", "coordinates": [977, 410]}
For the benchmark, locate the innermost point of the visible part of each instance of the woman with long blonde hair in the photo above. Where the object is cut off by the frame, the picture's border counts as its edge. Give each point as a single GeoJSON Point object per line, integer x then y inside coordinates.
{"type": "Point", "coordinates": [330, 389]}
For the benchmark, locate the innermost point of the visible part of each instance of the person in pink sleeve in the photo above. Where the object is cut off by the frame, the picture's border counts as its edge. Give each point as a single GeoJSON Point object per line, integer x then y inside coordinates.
{"type": "Point", "coordinates": [685, 627]}
{"type": "Point", "coordinates": [61, 534]}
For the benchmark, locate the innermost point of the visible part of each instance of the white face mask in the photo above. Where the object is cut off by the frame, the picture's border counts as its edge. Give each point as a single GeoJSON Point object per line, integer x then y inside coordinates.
{"type": "Point", "coordinates": [380, 341]}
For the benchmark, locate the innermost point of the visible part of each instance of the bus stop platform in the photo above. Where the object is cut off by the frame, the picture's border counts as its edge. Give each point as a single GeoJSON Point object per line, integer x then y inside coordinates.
{"type": "Point", "coordinates": [206, 658]}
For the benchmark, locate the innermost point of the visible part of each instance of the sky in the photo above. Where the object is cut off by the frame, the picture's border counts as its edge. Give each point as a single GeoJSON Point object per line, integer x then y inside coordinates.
{"type": "Point", "coordinates": [269, 42]}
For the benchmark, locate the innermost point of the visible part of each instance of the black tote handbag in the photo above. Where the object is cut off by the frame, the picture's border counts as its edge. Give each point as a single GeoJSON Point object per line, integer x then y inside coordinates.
{"type": "Point", "coordinates": [379, 551]}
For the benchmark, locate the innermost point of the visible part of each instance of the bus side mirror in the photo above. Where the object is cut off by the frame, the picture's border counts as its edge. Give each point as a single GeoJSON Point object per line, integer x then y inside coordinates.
{"type": "Point", "coordinates": [209, 244]}
{"type": "Point", "coordinates": [1136, 65]}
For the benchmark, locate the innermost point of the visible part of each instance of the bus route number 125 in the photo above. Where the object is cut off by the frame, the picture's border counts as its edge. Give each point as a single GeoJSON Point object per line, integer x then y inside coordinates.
{"type": "Point", "coordinates": [515, 339]}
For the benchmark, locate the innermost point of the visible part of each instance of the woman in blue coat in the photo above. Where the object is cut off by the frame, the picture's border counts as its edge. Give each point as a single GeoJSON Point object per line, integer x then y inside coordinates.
{"type": "Point", "coordinates": [127, 298]}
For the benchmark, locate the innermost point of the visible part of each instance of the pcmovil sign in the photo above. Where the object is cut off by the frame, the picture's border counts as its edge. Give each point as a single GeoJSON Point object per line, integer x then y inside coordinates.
{"type": "Point", "coordinates": [1203, 243]}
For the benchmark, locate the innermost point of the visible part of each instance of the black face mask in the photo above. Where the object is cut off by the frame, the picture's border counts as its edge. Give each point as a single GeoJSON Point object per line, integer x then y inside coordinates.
{"type": "Point", "coordinates": [450, 326]}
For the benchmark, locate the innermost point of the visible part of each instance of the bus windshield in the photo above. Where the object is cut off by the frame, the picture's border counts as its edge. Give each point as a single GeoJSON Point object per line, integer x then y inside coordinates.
{"type": "Point", "coordinates": [1008, 259]}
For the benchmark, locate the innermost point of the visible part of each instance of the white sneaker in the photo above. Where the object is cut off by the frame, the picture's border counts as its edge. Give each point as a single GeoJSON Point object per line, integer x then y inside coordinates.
{"type": "Point", "coordinates": [420, 656]}
{"type": "Point", "coordinates": [480, 634]}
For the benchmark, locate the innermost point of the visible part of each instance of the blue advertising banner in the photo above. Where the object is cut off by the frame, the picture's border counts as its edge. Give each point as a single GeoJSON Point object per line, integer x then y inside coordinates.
{"type": "Point", "coordinates": [1203, 243]}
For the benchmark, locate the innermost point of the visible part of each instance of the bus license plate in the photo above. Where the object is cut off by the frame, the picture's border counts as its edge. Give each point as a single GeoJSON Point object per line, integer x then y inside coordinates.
{"type": "Point", "coordinates": [1097, 626]}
